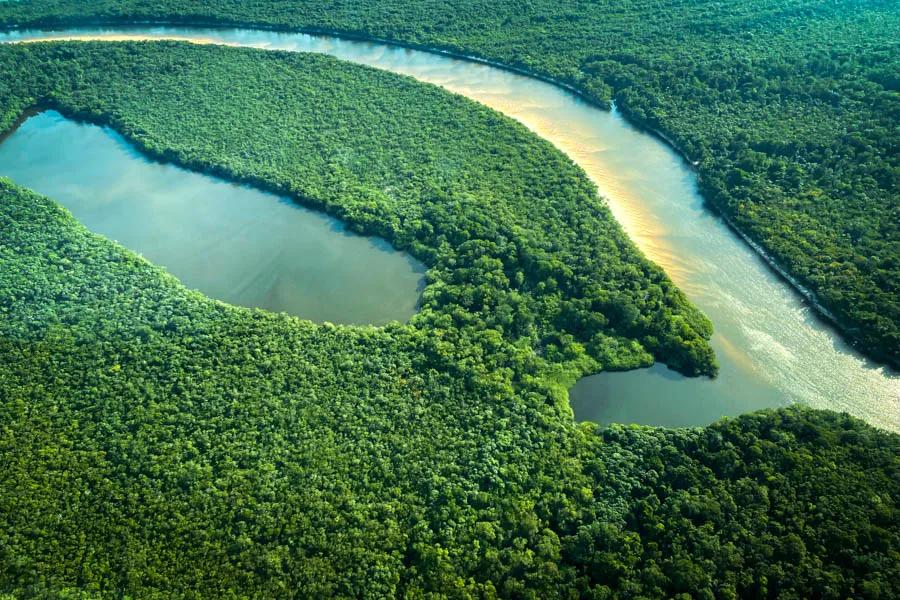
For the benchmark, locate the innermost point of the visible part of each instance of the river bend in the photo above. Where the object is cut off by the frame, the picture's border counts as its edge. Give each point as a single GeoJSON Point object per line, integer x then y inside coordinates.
{"type": "Point", "coordinates": [772, 348]}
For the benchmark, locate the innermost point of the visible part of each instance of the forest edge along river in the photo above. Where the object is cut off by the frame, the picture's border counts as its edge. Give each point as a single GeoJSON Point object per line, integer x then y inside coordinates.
{"type": "Point", "coordinates": [772, 347]}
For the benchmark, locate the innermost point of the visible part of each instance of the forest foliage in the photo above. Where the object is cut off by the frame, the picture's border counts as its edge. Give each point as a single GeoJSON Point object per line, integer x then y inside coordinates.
{"type": "Point", "coordinates": [156, 443]}
{"type": "Point", "coordinates": [789, 108]}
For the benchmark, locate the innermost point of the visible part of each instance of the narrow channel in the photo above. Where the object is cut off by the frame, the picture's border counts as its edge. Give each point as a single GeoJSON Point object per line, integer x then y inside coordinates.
{"type": "Point", "coordinates": [773, 350]}
{"type": "Point", "coordinates": [232, 242]}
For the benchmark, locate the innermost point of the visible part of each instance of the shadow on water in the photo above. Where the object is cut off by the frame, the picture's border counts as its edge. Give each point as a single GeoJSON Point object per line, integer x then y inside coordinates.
{"type": "Point", "coordinates": [231, 241]}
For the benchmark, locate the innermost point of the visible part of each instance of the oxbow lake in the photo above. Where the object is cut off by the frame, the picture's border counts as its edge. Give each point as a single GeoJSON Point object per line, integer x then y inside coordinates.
{"type": "Point", "coordinates": [232, 242]}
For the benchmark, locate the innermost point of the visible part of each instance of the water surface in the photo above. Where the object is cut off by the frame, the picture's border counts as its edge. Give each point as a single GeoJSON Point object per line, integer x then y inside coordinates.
{"type": "Point", "coordinates": [232, 242]}
{"type": "Point", "coordinates": [772, 349]}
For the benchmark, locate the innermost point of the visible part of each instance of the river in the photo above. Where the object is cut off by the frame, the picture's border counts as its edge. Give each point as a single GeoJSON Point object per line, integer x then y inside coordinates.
{"type": "Point", "coordinates": [772, 348]}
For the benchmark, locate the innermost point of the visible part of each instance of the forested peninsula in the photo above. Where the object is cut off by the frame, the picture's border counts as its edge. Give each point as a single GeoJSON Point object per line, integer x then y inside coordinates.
{"type": "Point", "coordinates": [156, 443]}
{"type": "Point", "coordinates": [519, 246]}
{"type": "Point", "coordinates": [787, 109]}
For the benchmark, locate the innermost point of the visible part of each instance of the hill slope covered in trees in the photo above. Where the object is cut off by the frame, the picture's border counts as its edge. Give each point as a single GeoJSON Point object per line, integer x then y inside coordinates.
{"type": "Point", "coordinates": [790, 108]}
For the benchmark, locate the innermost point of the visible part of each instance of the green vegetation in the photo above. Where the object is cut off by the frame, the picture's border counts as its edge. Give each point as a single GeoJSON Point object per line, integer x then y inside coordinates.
{"type": "Point", "coordinates": [520, 247]}
{"type": "Point", "coordinates": [790, 108]}
{"type": "Point", "coordinates": [156, 443]}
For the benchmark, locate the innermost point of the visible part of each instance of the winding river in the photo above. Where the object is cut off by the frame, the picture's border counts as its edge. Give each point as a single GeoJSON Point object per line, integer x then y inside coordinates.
{"type": "Point", "coordinates": [773, 350]}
